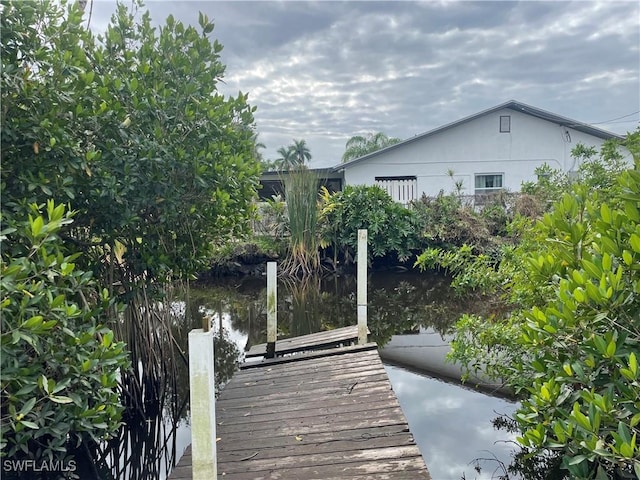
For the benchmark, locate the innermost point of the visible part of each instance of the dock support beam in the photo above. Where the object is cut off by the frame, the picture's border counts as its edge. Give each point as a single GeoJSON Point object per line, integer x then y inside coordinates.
{"type": "Point", "coordinates": [272, 308]}
{"type": "Point", "coordinates": [362, 287]}
{"type": "Point", "coordinates": [203, 410]}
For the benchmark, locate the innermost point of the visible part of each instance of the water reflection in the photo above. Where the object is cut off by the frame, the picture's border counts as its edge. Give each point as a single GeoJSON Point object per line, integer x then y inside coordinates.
{"type": "Point", "coordinates": [156, 428]}
{"type": "Point", "coordinates": [451, 424]}
{"type": "Point", "coordinates": [398, 303]}
{"type": "Point", "coordinates": [452, 427]}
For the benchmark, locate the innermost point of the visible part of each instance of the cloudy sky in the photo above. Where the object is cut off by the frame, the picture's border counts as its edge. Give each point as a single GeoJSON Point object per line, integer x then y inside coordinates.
{"type": "Point", "coordinates": [324, 71]}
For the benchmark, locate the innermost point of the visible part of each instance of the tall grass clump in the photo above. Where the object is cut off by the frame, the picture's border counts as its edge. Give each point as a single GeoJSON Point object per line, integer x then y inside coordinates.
{"type": "Point", "coordinates": [301, 191]}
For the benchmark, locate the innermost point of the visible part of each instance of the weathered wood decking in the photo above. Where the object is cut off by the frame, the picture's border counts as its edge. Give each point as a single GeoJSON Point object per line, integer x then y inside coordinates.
{"type": "Point", "coordinates": [327, 414]}
{"type": "Point", "coordinates": [329, 338]}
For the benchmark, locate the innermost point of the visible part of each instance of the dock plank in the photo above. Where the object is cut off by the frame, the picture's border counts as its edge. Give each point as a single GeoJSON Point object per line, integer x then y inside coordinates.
{"type": "Point", "coordinates": [329, 414]}
{"type": "Point", "coordinates": [335, 337]}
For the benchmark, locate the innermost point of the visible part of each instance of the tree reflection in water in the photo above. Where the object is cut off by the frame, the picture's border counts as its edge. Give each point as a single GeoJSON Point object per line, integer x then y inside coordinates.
{"type": "Point", "coordinates": [156, 429]}
{"type": "Point", "coordinates": [398, 303]}
{"type": "Point", "coordinates": [154, 436]}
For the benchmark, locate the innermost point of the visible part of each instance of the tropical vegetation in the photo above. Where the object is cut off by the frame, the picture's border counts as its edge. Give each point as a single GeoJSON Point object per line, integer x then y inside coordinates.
{"type": "Point", "coordinates": [121, 166]}
{"type": "Point", "coordinates": [301, 192]}
{"type": "Point", "coordinates": [361, 145]}
{"type": "Point", "coordinates": [392, 228]}
{"type": "Point", "coordinates": [569, 344]}
{"type": "Point", "coordinates": [292, 156]}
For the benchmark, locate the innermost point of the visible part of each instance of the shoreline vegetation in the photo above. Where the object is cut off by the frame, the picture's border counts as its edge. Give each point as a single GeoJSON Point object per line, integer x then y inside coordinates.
{"type": "Point", "coordinates": [125, 172]}
{"type": "Point", "coordinates": [562, 256]}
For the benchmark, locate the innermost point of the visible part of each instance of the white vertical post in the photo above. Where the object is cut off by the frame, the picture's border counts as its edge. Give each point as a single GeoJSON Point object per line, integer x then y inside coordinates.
{"type": "Point", "coordinates": [203, 410]}
{"type": "Point", "coordinates": [362, 287]}
{"type": "Point", "coordinates": [272, 308]}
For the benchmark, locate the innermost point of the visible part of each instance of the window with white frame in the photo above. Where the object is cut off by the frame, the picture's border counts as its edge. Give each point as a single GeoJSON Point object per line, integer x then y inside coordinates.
{"type": "Point", "coordinates": [488, 182]}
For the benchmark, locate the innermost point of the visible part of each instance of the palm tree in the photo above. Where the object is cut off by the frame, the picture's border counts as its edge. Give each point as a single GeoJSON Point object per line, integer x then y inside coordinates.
{"type": "Point", "coordinates": [301, 152]}
{"type": "Point", "coordinates": [359, 146]}
{"type": "Point", "coordinates": [287, 158]}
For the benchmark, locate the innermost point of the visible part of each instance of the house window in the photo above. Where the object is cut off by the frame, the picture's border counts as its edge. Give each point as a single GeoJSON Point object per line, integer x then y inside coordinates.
{"type": "Point", "coordinates": [505, 123]}
{"type": "Point", "coordinates": [488, 183]}
{"type": "Point", "coordinates": [402, 189]}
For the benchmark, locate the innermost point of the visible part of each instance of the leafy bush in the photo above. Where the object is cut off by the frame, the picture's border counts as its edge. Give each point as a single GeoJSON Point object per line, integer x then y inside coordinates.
{"type": "Point", "coordinates": [595, 170]}
{"type": "Point", "coordinates": [583, 342]}
{"type": "Point", "coordinates": [55, 345]}
{"type": "Point", "coordinates": [132, 131]}
{"type": "Point", "coordinates": [272, 218]}
{"type": "Point", "coordinates": [392, 228]}
{"type": "Point", "coordinates": [448, 222]}
{"type": "Point", "coordinates": [569, 347]}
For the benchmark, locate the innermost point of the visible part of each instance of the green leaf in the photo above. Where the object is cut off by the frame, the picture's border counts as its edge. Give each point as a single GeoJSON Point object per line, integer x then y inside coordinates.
{"type": "Point", "coordinates": [576, 460]}
{"type": "Point", "coordinates": [633, 363]}
{"type": "Point", "coordinates": [577, 277]}
{"type": "Point", "coordinates": [36, 226]}
{"type": "Point", "coordinates": [27, 407]}
{"type": "Point", "coordinates": [33, 322]}
{"type": "Point", "coordinates": [44, 384]}
{"type": "Point", "coordinates": [60, 399]}
{"type": "Point", "coordinates": [592, 269]}
{"type": "Point", "coordinates": [601, 474]}
{"type": "Point", "coordinates": [28, 424]}
{"type": "Point", "coordinates": [61, 385]}
{"type": "Point", "coordinates": [26, 389]}
{"type": "Point", "coordinates": [624, 433]}
{"type": "Point", "coordinates": [611, 349]}
{"type": "Point", "coordinates": [605, 213]}
{"type": "Point", "coordinates": [582, 420]}
{"type": "Point", "coordinates": [634, 240]}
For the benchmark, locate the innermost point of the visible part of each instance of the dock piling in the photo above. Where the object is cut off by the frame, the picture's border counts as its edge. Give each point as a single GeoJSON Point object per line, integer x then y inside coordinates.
{"type": "Point", "coordinates": [272, 308]}
{"type": "Point", "coordinates": [362, 286]}
{"type": "Point", "coordinates": [203, 412]}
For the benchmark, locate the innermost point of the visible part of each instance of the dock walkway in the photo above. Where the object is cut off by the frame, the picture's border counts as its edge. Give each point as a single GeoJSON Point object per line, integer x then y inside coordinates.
{"type": "Point", "coordinates": [327, 414]}
{"type": "Point", "coordinates": [327, 339]}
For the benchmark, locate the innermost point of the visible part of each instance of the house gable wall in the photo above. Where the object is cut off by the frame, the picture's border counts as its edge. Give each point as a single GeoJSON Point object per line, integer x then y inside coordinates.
{"type": "Point", "coordinates": [476, 147]}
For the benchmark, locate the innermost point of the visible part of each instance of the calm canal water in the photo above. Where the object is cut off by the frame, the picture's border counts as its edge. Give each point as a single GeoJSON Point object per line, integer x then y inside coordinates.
{"type": "Point", "coordinates": [409, 316]}
{"type": "Point", "coordinates": [451, 423]}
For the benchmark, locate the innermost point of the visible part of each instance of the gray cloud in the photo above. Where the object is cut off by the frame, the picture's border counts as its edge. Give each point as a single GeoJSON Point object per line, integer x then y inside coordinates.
{"type": "Point", "coordinates": [325, 70]}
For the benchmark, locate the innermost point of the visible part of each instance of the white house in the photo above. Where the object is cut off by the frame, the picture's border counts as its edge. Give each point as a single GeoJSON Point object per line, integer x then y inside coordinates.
{"type": "Point", "coordinates": [495, 149]}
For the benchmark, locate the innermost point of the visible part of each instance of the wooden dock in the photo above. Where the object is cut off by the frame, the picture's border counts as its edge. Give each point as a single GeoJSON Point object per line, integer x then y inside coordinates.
{"type": "Point", "coordinates": [327, 414]}
{"type": "Point", "coordinates": [327, 339]}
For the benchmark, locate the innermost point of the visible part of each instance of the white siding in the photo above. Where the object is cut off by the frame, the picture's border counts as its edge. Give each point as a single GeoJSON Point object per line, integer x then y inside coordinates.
{"type": "Point", "coordinates": [476, 147]}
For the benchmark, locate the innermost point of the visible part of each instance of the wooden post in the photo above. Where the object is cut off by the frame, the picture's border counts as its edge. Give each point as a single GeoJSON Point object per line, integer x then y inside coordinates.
{"type": "Point", "coordinates": [203, 410]}
{"type": "Point", "coordinates": [362, 287]}
{"type": "Point", "coordinates": [272, 308]}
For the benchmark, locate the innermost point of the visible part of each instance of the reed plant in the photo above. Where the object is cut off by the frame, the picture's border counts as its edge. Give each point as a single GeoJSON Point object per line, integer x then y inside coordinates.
{"type": "Point", "coordinates": [301, 191]}
{"type": "Point", "coordinates": [303, 315]}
